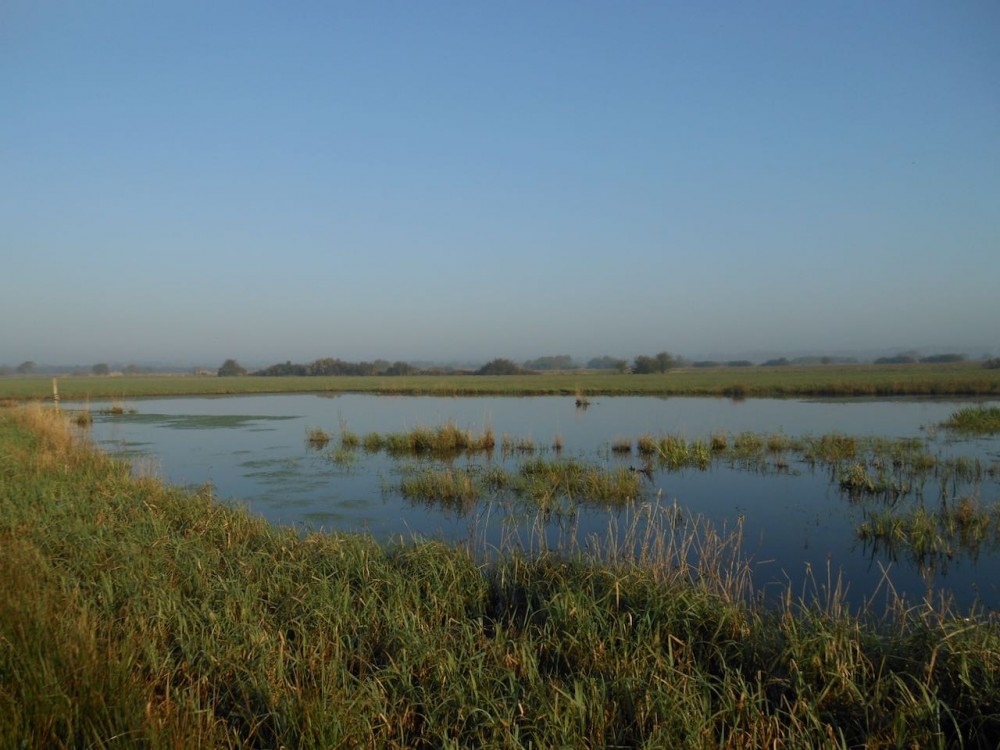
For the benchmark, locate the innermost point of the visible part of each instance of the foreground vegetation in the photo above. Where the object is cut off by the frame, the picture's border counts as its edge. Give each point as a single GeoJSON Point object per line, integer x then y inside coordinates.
{"type": "Point", "coordinates": [943, 379]}
{"type": "Point", "coordinates": [138, 615]}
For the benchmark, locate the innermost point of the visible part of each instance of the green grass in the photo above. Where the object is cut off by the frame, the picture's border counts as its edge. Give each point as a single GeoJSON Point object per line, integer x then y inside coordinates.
{"type": "Point", "coordinates": [443, 441]}
{"type": "Point", "coordinates": [966, 379]}
{"type": "Point", "coordinates": [138, 615]}
{"type": "Point", "coordinates": [980, 419]}
{"type": "Point", "coordinates": [317, 438]}
{"type": "Point", "coordinates": [961, 526]}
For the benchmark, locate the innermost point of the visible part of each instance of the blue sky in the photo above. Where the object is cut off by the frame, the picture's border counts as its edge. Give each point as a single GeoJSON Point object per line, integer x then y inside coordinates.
{"type": "Point", "coordinates": [190, 181]}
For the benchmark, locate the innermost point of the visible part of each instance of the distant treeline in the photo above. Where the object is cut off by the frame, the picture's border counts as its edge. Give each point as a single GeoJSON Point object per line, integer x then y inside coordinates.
{"type": "Point", "coordinates": [909, 359]}
{"type": "Point", "coordinates": [641, 364]}
{"type": "Point", "coordinates": [331, 366]}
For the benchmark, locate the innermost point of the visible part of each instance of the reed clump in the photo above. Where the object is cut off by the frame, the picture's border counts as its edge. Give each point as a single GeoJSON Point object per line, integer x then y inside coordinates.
{"type": "Point", "coordinates": [978, 419]}
{"type": "Point", "coordinates": [929, 538]}
{"type": "Point", "coordinates": [621, 445]}
{"type": "Point", "coordinates": [442, 441]}
{"type": "Point", "coordinates": [447, 487]}
{"type": "Point", "coordinates": [544, 481]}
{"type": "Point", "coordinates": [317, 437]}
{"type": "Point", "coordinates": [139, 614]}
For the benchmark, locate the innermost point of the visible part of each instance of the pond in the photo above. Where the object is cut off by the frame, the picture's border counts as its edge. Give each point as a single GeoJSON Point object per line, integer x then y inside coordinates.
{"type": "Point", "coordinates": [802, 512]}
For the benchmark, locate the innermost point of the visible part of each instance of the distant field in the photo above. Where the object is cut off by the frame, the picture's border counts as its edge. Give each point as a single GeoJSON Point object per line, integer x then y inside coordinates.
{"type": "Point", "coordinates": [961, 379]}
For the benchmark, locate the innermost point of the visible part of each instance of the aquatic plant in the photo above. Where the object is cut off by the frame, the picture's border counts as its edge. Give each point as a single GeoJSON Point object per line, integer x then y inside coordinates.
{"type": "Point", "coordinates": [442, 441]}
{"type": "Point", "coordinates": [932, 538]}
{"type": "Point", "coordinates": [646, 445]}
{"type": "Point", "coordinates": [316, 437]}
{"type": "Point", "coordinates": [857, 481]}
{"type": "Point", "coordinates": [450, 487]}
{"type": "Point", "coordinates": [975, 419]}
{"type": "Point", "coordinates": [373, 442]}
{"type": "Point", "coordinates": [621, 445]}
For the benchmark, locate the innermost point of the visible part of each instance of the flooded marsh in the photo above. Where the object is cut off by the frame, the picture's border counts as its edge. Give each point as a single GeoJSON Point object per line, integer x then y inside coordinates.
{"type": "Point", "coordinates": [849, 485]}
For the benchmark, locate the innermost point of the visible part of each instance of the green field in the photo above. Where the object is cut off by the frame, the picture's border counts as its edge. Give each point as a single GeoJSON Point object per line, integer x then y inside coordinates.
{"type": "Point", "coordinates": [961, 379]}
{"type": "Point", "coordinates": [138, 615]}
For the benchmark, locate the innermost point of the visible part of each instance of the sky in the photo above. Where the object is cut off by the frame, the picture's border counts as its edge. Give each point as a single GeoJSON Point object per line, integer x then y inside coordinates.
{"type": "Point", "coordinates": [189, 181]}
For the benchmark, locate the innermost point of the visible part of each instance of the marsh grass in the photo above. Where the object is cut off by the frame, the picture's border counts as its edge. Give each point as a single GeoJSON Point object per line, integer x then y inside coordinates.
{"type": "Point", "coordinates": [857, 481]}
{"type": "Point", "coordinates": [444, 441]}
{"type": "Point", "coordinates": [544, 481]}
{"type": "Point", "coordinates": [135, 614]}
{"type": "Point", "coordinates": [117, 409]}
{"type": "Point", "coordinates": [349, 440]}
{"type": "Point", "coordinates": [621, 445]}
{"type": "Point", "coordinates": [932, 538]}
{"type": "Point", "coordinates": [344, 456]}
{"type": "Point", "coordinates": [977, 420]}
{"type": "Point", "coordinates": [448, 487]}
{"type": "Point", "coordinates": [317, 437]}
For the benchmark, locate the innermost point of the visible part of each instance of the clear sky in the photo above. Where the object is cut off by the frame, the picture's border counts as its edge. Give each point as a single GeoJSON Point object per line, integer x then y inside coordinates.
{"type": "Point", "coordinates": [190, 181]}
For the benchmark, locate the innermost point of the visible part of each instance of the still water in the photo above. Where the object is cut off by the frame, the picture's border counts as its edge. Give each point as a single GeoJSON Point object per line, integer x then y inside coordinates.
{"type": "Point", "coordinates": [253, 450]}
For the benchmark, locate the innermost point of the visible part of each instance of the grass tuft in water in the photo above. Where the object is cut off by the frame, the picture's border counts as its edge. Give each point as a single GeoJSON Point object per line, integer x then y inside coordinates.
{"type": "Point", "coordinates": [978, 419]}
{"type": "Point", "coordinates": [317, 438]}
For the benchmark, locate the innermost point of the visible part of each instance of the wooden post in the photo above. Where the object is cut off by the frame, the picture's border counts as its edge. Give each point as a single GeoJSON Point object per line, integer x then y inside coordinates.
{"type": "Point", "coordinates": [55, 393]}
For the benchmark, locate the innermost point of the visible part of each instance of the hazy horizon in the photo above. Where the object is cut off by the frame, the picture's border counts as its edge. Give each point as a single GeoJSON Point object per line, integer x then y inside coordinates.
{"type": "Point", "coordinates": [187, 182]}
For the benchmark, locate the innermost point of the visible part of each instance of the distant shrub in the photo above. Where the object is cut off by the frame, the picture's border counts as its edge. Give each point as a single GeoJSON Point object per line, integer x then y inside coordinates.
{"type": "Point", "coordinates": [779, 362]}
{"type": "Point", "coordinates": [899, 359]}
{"type": "Point", "coordinates": [992, 364]}
{"type": "Point", "coordinates": [608, 363]}
{"type": "Point", "coordinates": [644, 365]}
{"type": "Point", "coordinates": [400, 368]}
{"type": "Point", "coordinates": [501, 366]}
{"type": "Point", "coordinates": [231, 368]}
{"type": "Point", "coordinates": [943, 358]}
{"type": "Point", "coordinates": [555, 362]}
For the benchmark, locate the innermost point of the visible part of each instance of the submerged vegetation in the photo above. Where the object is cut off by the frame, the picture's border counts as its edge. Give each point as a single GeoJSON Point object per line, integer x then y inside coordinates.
{"type": "Point", "coordinates": [142, 614]}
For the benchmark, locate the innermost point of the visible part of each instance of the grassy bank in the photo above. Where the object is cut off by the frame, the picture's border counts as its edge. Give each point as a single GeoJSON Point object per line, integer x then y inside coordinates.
{"type": "Point", "coordinates": [138, 615]}
{"type": "Point", "coordinates": [962, 379]}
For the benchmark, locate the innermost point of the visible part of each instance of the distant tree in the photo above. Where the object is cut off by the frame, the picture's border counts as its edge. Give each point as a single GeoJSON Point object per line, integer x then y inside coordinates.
{"type": "Point", "coordinates": [943, 358]}
{"type": "Point", "coordinates": [101, 368]}
{"type": "Point", "coordinates": [779, 362]}
{"type": "Point", "coordinates": [666, 361]}
{"type": "Point", "coordinates": [608, 363]}
{"type": "Point", "coordinates": [992, 364]}
{"type": "Point", "coordinates": [283, 369]}
{"type": "Point", "coordinates": [739, 363]}
{"type": "Point", "coordinates": [899, 359]}
{"type": "Point", "coordinates": [231, 368]}
{"type": "Point", "coordinates": [501, 367]}
{"type": "Point", "coordinates": [644, 365]}
{"type": "Point", "coordinates": [400, 368]}
{"type": "Point", "coordinates": [25, 368]}
{"type": "Point", "coordinates": [703, 363]}
{"type": "Point", "coordinates": [554, 362]}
